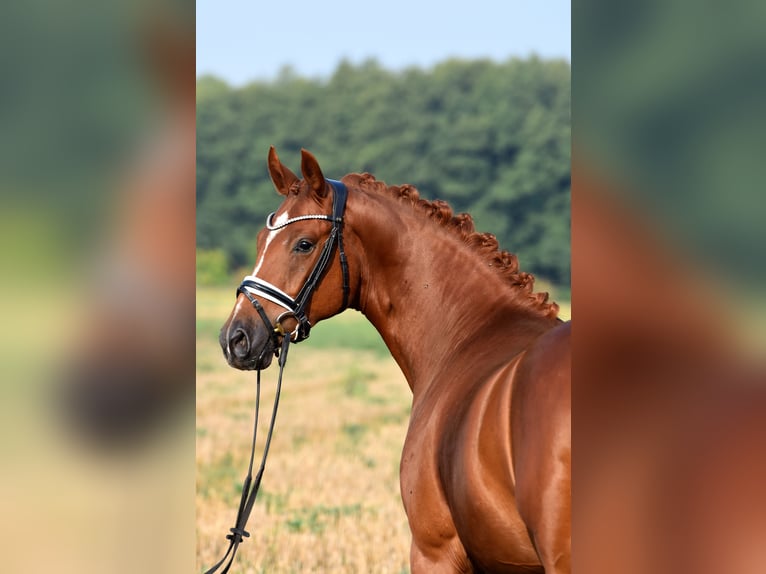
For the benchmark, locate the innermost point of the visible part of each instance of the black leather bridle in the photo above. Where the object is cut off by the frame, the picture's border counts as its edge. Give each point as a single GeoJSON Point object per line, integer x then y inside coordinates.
{"type": "Point", "coordinates": [253, 287]}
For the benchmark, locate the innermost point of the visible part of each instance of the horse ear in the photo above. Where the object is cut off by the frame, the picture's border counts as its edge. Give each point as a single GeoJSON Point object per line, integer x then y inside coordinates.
{"type": "Point", "coordinates": [282, 177]}
{"type": "Point", "coordinates": [313, 174]}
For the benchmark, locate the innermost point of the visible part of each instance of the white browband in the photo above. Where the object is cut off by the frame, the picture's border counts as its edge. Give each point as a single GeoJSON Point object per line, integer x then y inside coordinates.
{"type": "Point", "coordinates": [271, 227]}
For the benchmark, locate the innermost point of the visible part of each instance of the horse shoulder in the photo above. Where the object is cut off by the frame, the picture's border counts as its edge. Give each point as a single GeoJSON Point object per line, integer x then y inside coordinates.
{"type": "Point", "coordinates": [541, 433]}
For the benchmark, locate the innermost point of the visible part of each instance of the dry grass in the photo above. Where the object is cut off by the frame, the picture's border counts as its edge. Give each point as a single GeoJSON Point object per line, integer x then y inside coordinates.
{"type": "Point", "coordinates": [330, 500]}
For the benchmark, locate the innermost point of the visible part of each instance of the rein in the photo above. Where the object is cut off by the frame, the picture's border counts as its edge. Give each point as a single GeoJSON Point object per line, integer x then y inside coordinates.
{"type": "Point", "coordinates": [250, 488]}
{"type": "Point", "coordinates": [296, 308]}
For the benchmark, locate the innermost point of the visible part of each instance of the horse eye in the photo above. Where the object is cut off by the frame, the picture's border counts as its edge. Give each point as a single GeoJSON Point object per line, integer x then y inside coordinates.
{"type": "Point", "coordinates": [304, 246]}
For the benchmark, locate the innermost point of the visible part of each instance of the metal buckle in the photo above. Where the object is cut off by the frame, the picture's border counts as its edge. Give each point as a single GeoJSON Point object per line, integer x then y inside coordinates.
{"type": "Point", "coordinates": [281, 330]}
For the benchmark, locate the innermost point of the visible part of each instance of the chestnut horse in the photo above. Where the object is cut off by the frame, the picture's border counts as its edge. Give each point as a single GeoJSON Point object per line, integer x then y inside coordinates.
{"type": "Point", "coordinates": [485, 468]}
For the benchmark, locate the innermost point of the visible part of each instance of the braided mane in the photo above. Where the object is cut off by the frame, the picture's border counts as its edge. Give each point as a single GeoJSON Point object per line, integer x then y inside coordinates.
{"type": "Point", "coordinates": [484, 244]}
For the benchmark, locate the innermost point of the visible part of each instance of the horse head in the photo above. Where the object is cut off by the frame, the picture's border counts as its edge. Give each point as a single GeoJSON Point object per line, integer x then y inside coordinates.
{"type": "Point", "coordinates": [300, 276]}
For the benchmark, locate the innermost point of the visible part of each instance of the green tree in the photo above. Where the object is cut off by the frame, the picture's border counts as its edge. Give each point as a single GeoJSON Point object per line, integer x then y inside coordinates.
{"type": "Point", "coordinates": [492, 139]}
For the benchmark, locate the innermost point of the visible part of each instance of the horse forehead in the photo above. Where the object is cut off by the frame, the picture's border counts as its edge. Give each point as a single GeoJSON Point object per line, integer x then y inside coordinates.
{"type": "Point", "coordinates": [293, 206]}
{"type": "Point", "coordinates": [279, 220]}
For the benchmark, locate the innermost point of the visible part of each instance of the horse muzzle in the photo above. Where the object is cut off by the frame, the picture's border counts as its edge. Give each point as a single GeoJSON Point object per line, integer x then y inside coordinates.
{"type": "Point", "coordinates": [245, 347]}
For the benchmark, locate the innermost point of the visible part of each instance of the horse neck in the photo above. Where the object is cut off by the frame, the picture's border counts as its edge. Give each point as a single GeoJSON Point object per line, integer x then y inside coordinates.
{"type": "Point", "coordinates": [430, 296]}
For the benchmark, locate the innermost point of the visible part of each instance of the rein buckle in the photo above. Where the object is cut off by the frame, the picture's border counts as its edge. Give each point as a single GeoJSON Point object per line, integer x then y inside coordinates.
{"type": "Point", "coordinates": [295, 334]}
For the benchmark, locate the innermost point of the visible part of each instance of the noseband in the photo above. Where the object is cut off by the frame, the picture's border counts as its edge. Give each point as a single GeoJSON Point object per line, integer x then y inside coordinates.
{"type": "Point", "coordinates": [253, 286]}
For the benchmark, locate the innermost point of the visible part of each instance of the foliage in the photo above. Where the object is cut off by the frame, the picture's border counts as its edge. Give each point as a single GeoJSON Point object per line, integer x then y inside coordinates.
{"type": "Point", "coordinates": [492, 139]}
{"type": "Point", "coordinates": [212, 267]}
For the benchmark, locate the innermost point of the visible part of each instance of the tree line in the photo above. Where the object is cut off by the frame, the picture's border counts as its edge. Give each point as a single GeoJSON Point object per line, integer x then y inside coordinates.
{"type": "Point", "coordinates": [491, 138]}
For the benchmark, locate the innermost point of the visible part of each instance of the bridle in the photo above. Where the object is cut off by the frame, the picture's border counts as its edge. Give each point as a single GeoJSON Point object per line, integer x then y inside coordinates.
{"type": "Point", "coordinates": [253, 287]}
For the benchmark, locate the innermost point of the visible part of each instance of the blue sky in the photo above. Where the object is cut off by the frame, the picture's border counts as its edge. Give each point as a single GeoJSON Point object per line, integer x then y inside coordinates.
{"type": "Point", "coordinates": [244, 40]}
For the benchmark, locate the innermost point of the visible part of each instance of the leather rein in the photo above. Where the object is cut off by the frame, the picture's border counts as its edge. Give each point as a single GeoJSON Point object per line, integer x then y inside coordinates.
{"type": "Point", "coordinates": [253, 287]}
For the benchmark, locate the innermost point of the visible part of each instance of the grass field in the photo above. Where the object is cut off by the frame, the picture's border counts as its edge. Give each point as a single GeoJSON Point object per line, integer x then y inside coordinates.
{"type": "Point", "coordinates": [329, 500]}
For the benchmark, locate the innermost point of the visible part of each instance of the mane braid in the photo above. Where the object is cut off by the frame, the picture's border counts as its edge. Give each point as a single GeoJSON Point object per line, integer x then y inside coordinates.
{"type": "Point", "coordinates": [484, 244]}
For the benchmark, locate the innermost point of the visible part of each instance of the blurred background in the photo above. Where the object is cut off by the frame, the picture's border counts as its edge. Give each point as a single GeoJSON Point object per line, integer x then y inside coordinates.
{"type": "Point", "coordinates": [97, 286]}
{"type": "Point", "coordinates": [468, 104]}
{"type": "Point", "coordinates": [669, 402]}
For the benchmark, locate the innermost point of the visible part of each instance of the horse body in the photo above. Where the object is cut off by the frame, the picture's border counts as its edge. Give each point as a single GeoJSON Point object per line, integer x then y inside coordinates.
{"type": "Point", "coordinates": [485, 466]}
{"type": "Point", "coordinates": [476, 458]}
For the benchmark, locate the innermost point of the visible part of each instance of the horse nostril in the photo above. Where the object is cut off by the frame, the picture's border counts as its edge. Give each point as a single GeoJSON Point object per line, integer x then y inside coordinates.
{"type": "Point", "coordinates": [239, 344]}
